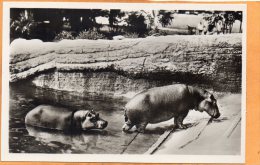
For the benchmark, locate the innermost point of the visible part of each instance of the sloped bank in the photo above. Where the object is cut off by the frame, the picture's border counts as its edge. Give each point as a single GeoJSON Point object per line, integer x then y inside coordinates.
{"type": "Point", "coordinates": [110, 67]}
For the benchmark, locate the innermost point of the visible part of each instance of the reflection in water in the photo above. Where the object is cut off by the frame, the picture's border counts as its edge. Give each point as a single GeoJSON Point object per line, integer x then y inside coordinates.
{"type": "Point", "coordinates": [24, 139]}
{"type": "Point", "coordinates": [78, 142]}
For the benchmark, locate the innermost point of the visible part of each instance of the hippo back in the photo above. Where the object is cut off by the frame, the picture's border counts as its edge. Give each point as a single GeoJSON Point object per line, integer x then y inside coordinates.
{"type": "Point", "coordinates": [159, 103]}
{"type": "Point", "coordinates": [51, 117]}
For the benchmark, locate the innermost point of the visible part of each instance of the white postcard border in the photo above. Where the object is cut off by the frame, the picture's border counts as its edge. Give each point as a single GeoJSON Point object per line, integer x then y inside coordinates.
{"type": "Point", "coordinates": [6, 156]}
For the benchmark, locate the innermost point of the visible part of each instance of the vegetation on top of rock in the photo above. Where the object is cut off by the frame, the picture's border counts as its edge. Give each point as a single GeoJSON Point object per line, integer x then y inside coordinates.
{"type": "Point", "coordinates": [64, 35]}
{"type": "Point", "coordinates": [91, 35]}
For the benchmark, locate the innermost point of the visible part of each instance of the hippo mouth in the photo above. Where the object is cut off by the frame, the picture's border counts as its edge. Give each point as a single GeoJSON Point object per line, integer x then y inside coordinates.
{"type": "Point", "coordinates": [101, 124]}
{"type": "Point", "coordinates": [216, 114]}
{"type": "Point", "coordinates": [96, 125]}
{"type": "Point", "coordinates": [126, 127]}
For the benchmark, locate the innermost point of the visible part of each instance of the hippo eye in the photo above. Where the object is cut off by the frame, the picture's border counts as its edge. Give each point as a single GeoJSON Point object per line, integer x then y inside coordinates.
{"type": "Point", "coordinates": [88, 115]}
{"type": "Point", "coordinates": [93, 119]}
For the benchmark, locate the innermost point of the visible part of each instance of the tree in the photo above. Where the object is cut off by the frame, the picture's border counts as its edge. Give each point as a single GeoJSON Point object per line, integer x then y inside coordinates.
{"type": "Point", "coordinates": [151, 19]}
{"type": "Point", "coordinates": [229, 21]}
{"type": "Point", "coordinates": [239, 16]}
{"type": "Point", "coordinates": [23, 26]}
{"type": "Point", "coordinates": [165, 17]}
{"type": "Point", "coordinates": [95, 13]}
{"type": "Point", "coordinates": [113, 16]}
{"type": "Point", "coordinates": [136, 23]}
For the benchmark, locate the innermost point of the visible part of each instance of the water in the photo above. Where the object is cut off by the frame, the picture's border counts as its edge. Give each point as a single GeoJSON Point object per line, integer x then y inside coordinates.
{"type": "Point", "coordinates": [24, 139]}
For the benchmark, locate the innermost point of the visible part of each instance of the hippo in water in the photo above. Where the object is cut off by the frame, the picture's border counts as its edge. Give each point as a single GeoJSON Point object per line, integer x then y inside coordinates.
{"type": "Point", "coordinates": [51, 117]}
{"type": "Point", "coordinates": [163, 103]}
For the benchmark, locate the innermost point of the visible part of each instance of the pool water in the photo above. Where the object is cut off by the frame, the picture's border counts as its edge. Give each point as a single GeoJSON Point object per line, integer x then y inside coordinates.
{"type": "Point", "coordinates": [24, 139]}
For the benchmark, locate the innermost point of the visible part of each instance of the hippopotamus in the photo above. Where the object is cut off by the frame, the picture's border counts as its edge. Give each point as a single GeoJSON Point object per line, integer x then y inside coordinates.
{"type": "Point", "coordinates": [59, 118]}
{"type": "Point", "coordinates": [163, 103]}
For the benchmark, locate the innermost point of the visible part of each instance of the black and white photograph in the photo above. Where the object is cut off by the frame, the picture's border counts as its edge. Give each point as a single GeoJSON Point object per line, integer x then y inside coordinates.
{"type": "Point", "coordinates": [118, 82]}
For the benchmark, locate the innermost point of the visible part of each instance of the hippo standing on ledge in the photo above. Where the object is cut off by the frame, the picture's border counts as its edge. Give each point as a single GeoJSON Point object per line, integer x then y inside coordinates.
{"type": "Point", "coordinates": [163, 103]}
{"type": "Point", "coordinates": [47, 116]}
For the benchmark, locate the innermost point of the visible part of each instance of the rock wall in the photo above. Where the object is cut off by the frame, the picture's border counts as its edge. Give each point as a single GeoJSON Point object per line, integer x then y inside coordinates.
{"type": "Point", "coordinates": [213, 62]}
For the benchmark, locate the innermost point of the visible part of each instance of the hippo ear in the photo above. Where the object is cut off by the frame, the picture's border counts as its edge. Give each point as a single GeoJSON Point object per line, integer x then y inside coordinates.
{"type": "Point", "coordinates": [212, 97]}
{"type": "Point", "coordinates": [88, 114]}
{"type": "Point", "coordinates": [207, 96]}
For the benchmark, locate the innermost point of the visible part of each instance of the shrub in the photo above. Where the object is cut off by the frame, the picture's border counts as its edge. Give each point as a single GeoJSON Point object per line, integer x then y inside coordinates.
{"type": "Point", "coordinates": [91, 35]}
{"type": "Point", "coordinates": [131, 35]}
{"type": "Point", "coordinates": [157, 32]}
{"type": "Point", "coordinates": [64, 35]}
{"type": "Point", "coordinates": [153, 32]}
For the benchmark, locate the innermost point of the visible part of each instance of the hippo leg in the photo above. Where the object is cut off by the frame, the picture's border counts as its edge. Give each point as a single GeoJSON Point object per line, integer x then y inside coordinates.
{"type": "Point", "coordinates": [141, 127]}
{"type": "Point", "coordinates": [178, 121]}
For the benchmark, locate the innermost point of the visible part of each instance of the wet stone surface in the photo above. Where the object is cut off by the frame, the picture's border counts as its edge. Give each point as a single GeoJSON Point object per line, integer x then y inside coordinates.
{"type": "Point", "coordinates": [26, 139]}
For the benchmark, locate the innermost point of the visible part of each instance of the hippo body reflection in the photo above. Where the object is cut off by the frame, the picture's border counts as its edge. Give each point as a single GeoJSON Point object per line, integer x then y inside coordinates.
{"type": "Point", "coordinates": [74, 143]}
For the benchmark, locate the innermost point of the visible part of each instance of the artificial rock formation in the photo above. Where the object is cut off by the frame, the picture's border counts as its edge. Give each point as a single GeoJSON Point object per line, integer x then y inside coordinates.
{"type": "Point", "coordinates": [130, 65]}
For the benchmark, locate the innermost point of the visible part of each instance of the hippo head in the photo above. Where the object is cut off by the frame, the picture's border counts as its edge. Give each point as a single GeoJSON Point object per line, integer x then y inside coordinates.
{"type": "Point", "coordinates": [127, 126]}
{"type": "Point", "coordinates": [88, 119]}
{"type": "Point", "coordinates": [209, 105]}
